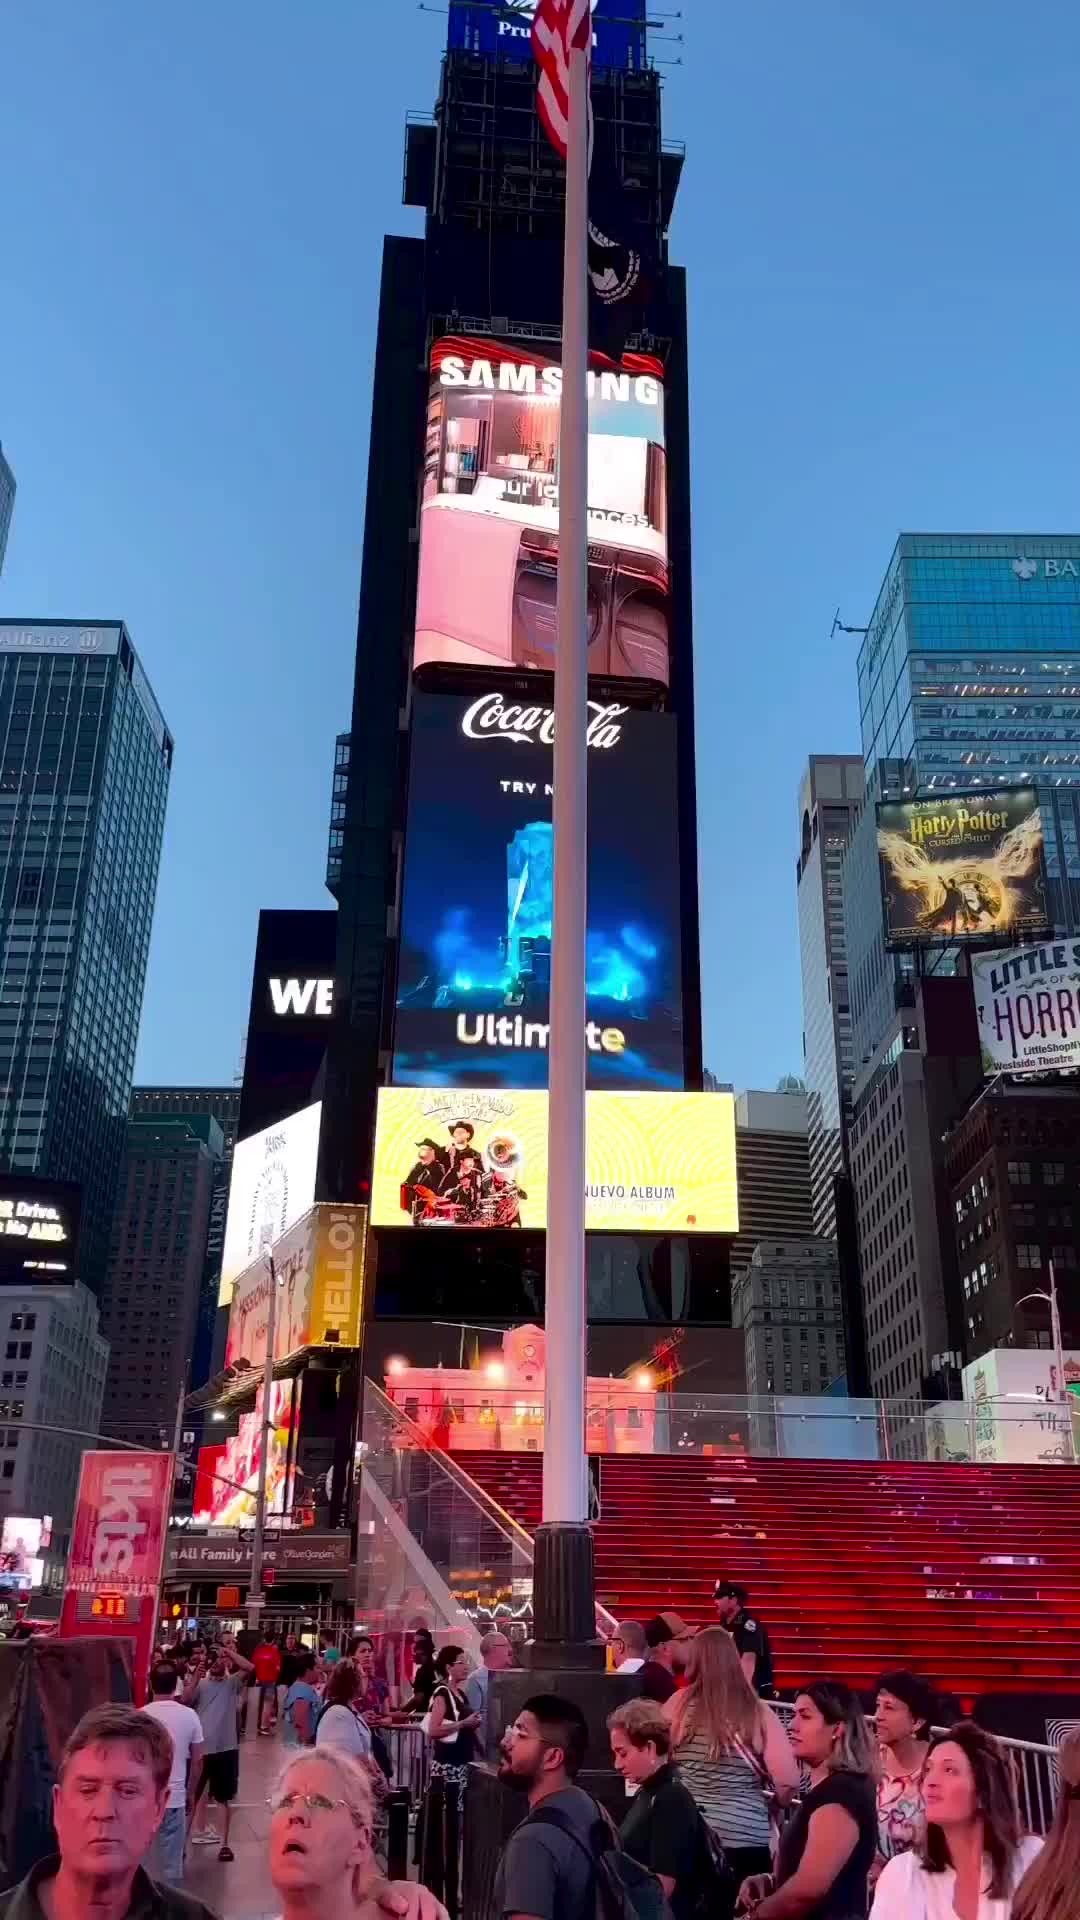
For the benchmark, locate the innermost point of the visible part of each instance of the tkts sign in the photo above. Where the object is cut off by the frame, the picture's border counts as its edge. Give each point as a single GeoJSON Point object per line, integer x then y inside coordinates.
{"type": "Point", "coordinates": [117, 1548]}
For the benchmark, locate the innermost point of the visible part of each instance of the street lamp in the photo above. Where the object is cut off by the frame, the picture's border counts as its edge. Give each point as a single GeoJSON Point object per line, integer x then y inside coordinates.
{"type": "Point", "coordinates": [256, 1597]}
{"type": "Point", "coordinates": [1051, 1300]}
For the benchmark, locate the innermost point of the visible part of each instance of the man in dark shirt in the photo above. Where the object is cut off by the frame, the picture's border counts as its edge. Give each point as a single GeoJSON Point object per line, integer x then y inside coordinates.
{"type": "Point", "coordinates": [546, 1869]}
{"type": "Point", "coordinates": [668, 1638]}
{"type": "Point", "coordinates": [111, 1792]}
{"type": "Point", "coordinates": [749, 1635]}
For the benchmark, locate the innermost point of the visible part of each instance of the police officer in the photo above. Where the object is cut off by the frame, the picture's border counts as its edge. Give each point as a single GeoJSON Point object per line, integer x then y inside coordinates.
{"type": "Point", "coordinates": [749, 1635]}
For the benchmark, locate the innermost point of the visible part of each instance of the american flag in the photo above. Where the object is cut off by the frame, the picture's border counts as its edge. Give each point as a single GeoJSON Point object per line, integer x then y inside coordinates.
{"type": "Point", "coordinates": [558, 27]}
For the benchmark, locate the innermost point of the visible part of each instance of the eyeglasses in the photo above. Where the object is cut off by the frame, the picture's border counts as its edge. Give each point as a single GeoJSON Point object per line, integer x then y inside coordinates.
{"type": "Point", "coordinates": [312, 1803]}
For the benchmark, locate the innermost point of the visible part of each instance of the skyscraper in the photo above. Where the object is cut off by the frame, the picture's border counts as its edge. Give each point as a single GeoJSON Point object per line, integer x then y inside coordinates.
{"type": "Point", "coordinates": [969, 678]}
{"type": "Point", "coordinates": [772, 1158]}
{"type": "Point", "coordinates": [829, 796]}
{"type": "Point", "coordinates": [52, 1375]}
{"type": "Point", "coordinates": [7, 503]}
{"type": "Point", "coordinates": [85, 758]}
{"type": "Point", "coordinates": [150, 1299]}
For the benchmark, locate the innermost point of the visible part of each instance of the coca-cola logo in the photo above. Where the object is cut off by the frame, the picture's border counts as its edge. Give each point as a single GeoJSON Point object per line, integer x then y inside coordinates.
{"type": "Point", "coordinates": [491, 718]}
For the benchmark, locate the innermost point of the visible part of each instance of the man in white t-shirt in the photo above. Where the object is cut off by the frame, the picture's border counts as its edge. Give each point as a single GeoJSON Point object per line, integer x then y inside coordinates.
{"type": "Point", "coordinates": [165, 1860]}
{"type": "Point", "coordinates": [630, 1647]}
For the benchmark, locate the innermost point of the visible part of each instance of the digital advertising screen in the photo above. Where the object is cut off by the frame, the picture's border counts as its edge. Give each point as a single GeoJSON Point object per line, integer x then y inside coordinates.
{"type": "Point", "coordinates": [39, 1228]}
{"type": "Point", "coordinates": [474, 962]}
{"type": "Point", "coordinates": [319, 1265]}
{"type": "Point", "coordinates": [272, 1184]}
{"type": "Point", "coordinates": [291, 1015]}
{"type": "Point", "coordinates": [656, 1162]}
{"type": "Point", "coordinates": [486, 27]}
{"type": "Point", "coordinates": [1027, 1000]}
{"type": "Point", "coordinates": [489, 519]}
{"type": "Point", "coordinates": [957, 868]}
{"type": "Point", "coordinates": [22, 1539]}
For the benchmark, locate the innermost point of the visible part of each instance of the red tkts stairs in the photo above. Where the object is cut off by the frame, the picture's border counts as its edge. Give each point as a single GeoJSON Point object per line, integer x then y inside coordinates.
{"type": "Point", "coordinates": [855, 1567]}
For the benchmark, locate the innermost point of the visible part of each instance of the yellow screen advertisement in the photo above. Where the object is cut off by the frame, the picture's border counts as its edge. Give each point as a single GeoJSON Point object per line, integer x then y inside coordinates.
{"type": "Point", "coordinates": [657, 1162]}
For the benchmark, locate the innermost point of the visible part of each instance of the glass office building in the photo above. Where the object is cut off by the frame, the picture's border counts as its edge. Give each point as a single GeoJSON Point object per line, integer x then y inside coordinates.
{"type": "Point", "coordinates": [7, 503]}
{"type": "Point", "coordinates": [85, 758]}
{"type": "Point", "coordinates": [969, 676]}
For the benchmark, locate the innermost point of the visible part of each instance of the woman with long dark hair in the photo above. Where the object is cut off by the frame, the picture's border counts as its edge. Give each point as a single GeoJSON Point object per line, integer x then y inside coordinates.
{"type": "Point", "coordinates": [974, 1854]}
{"type": "Point", "coordinates": [1050, 1889]}
{"type": "Point", "coordinates": [451, 1727]}
{"type": "Point", "coordinates": [827, 1850]}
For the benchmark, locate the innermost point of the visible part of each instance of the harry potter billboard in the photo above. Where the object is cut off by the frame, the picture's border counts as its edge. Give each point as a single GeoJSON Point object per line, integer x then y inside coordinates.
{"type": "Point", "coordinates": [962, 868]}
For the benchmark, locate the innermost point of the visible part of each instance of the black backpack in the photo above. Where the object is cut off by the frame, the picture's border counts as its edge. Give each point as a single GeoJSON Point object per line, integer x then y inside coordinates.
{"type": "Point", "coordinates": [623, 1889]}
{"type": "Point", "coordinates": [715, 1885]}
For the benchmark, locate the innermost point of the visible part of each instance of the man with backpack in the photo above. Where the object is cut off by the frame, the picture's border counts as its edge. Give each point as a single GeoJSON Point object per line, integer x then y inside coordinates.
{"type": "Point", "coordinates": [563, 1862]}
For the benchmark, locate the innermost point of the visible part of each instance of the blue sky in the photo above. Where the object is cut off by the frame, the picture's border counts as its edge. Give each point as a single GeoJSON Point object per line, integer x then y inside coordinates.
{"type": "Point", "coordinates": [877, 218]}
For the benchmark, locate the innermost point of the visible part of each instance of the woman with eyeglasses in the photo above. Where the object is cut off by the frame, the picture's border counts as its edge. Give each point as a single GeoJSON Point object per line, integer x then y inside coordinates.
{"type": "Point", "coordinates": [321, 1858]}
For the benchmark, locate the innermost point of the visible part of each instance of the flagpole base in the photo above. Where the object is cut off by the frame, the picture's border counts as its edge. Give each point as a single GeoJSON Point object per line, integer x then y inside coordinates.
{"type": "Point", "coordinates": [564, 1608]}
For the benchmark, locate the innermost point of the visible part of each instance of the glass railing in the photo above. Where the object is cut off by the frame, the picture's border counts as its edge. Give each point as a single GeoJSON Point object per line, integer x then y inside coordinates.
{"type": "Point", "coordinates": [432, 1541]}
{"type": "Point", "coordinates": [627, 1419]}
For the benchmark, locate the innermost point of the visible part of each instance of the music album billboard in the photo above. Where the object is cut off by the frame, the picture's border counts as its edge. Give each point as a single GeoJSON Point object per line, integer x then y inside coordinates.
{"type": "Point", "coordinates": [486, 27]}
{"type": "Point", "coordinates": [656, 1162]}
{"type": "Point", "coordinates": [39, 1229]}
{"type": "Point", "coordinates": [474, 962]}
{"type": "Point", "coordinates": [1028, 1004]}
{"type": "Point", "coordinates": [272, 1184]}
{"type": "Point", "coordinates": [489, 517]}
{"type": "Point", "coordinates": [957, 868]}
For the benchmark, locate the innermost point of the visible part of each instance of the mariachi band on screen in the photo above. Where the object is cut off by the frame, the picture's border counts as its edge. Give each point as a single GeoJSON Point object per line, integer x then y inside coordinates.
{"type": "Point", "coordinates": [460, 1185]}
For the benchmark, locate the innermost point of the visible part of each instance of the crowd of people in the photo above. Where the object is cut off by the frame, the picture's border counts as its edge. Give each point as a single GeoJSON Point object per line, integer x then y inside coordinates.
{"type": "Point", "coordinates": [826, 1812]}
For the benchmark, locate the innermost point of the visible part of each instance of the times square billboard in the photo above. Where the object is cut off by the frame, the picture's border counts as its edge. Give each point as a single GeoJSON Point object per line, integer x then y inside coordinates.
{"type": "Point", "coordinates": [962, 868]}
{"type": "Point", "coordinates": [489, 518]}
{"type": "Point", "coordinates": [486, 27]}
{"type": "Point", "coordinates": [474, 958]}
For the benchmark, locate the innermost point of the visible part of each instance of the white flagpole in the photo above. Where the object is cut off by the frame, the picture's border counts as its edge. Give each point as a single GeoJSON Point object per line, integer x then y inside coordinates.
{"type": "Point", "coordinates": [565, 1499]}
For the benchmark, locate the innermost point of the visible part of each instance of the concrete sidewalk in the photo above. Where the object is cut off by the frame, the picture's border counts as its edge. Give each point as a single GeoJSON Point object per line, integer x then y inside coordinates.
{"type": "Point", "coordinates": [242, 1889]}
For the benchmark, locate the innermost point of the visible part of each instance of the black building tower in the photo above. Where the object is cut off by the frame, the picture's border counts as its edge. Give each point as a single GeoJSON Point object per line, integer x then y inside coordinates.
{"type": "Point", "coordinates": [469, 329]}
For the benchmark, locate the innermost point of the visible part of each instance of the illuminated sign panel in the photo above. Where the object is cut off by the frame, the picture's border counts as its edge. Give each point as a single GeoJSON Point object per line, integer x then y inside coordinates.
{"type": "Point", "coordinates": [485, 27]}
{"type": "Point", "coordinates": [656, 1162]}
{"type": "Point", "coordinates": [1028, 1003]}
{"type": "Point", "coordinates": [475, 956]}
{"type": "Point", "coordinates": [273, 1183]}
{"type": "Point", "coordinates": [957, 868]}
{"type": "Point", "coordinates": [490, 513]}
{"type": "Point", "coordinates": [39, 1229]}
{"type": "Point", "coordinates": [319, 1267]}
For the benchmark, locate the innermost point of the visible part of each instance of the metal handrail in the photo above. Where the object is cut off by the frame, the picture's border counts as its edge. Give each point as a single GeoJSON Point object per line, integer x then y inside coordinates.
{"type": "Point", "coordinates": [478, 1495]}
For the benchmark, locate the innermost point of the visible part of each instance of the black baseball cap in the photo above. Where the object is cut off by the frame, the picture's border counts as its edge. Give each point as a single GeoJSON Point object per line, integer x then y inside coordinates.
{"type": "Point", "coordinates": [455, 1124]}
{"type": "Point", "coordinates": [727, 1590]}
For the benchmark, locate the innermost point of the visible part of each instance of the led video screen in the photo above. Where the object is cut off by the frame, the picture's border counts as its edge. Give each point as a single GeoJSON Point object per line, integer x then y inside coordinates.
{"type": "Point", "coordinates": [490, 513]}
{"type": "Point", "coordinates": [659, 1162]}
{"type": "Point", "coordinates": [474, 963]}
{"type": "Point", "coordinates": [272, 1184]}
{"type": "Point", "coordinates": [39, 1229]}
{"type": "Point", "coordinates": [961, 868]}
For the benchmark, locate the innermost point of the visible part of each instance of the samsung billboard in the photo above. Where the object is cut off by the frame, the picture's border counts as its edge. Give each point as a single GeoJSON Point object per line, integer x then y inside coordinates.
{"type": "Point", "coordinates": [474, 962]}
{"type": "Point", "coordinates": [489, 517]}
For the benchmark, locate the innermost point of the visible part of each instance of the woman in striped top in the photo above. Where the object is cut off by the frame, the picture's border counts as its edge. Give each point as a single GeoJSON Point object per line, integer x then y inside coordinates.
{"type": "Point", "coordinates": [731, 1750]}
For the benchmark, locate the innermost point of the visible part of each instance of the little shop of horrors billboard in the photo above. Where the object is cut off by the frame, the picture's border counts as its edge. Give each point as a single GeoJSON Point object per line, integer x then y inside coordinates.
{"type": "Point", "coordinates": [962, 868]}
{"type": "Point", "coordinates": [474, 963]}
{"type": "Point", "coordinates": [1028, 1004]}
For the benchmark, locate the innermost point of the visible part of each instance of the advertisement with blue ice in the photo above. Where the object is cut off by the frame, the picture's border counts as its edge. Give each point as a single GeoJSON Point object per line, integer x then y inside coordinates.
{"type": "Point", "coordinates": [475, 956]}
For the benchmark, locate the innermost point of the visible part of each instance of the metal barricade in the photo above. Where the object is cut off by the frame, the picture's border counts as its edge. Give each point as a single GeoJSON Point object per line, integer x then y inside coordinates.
{"type": "Point", "coordinates": [1034, 1767]}
{"type": "Point", "coordinates": [410, 1757]}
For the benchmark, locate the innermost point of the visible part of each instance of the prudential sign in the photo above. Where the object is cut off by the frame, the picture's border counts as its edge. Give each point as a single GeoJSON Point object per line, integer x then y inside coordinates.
{"type": "Point", "coordinates": [484, 26]}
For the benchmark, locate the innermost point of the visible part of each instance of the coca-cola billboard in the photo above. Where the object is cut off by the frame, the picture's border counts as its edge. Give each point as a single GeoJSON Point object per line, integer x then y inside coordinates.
{"type": "Point", "coordinates": [475, 954]}
{"type": "Point", "coordinates": [489, 521]}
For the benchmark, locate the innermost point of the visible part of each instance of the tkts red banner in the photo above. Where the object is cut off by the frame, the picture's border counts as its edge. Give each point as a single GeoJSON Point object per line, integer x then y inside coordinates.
{"type": "Point", "coordinates": [117, 1551]}
{"type": "Point", "coordinates": [121, 1519]}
